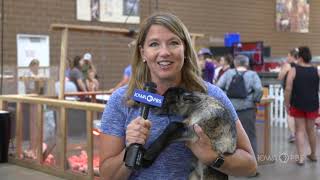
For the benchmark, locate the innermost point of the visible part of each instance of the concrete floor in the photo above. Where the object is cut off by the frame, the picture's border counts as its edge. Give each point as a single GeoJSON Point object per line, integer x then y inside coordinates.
{"type": "Point", "coordinates": [284, 154]}
{"type": "Point", "coordinates": [283, 168]}
{"type": "Point", "coordinates": [13, 172]}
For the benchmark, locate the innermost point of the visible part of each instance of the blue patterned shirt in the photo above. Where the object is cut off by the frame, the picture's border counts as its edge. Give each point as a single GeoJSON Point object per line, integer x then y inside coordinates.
{"type": "Point", "coordinates": [175, 161]}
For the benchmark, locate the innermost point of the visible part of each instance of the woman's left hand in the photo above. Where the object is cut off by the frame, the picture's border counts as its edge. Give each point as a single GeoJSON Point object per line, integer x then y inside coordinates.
{"type": "Point", "coordinates": [202, 148]}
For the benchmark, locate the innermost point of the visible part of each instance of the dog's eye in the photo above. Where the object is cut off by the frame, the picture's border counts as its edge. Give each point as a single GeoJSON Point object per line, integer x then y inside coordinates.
{"type": "Point", "coordinates": [188, 99]}
{"type": "Point", "coordinates": [191, 99]}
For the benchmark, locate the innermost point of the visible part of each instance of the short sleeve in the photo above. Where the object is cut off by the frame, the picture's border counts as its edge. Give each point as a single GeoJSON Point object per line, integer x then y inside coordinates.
{"type": "Point", "coordinates": [114, 116]}
{"type": "Point", "coordinates": [75, 74]}
{"type": "Point", "coordinates": [217, 93]}
{"type": "Point", "coordinates": [127, 71]}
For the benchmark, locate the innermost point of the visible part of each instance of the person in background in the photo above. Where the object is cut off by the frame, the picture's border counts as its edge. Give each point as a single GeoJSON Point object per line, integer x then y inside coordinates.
{"type": "Point", "coordinates": [87, 64]}
{"type": "Point", "coordinates": [302, 102]}
{"type": "Point", "coordinates": [246, 108]}
{"type": "Point", "coordinates": [127, 71]}
{"type": "Point", "coordinates": [76, 75]}
{"type": "Point", "coordinates": [282, 76]}
{"type": "Point", "coordinates": [206, 64]}
{"type": "Point", "coordinates": [164, 55]}
{"type": "Point", "coordinates": [68, 68]}
{"type": "Point", "coordinates": [92, 83]}
{"type": "Point", "coordinates": [69, 86]}
{"type": "Point", "coordinates": [33, 81]}
{"type": "Point", "coordinates": [125, 79]}
{"type": "Point", "coordinates": [34, 84]}
{"type": "Point", "coordinates": [226, 63]}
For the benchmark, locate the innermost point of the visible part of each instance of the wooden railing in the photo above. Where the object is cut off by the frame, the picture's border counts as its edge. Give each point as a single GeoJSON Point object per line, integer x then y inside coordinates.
{"type": "Point", "coordinates": [61, 140]}
{"type": "Point", "coordinates": [91, 95]}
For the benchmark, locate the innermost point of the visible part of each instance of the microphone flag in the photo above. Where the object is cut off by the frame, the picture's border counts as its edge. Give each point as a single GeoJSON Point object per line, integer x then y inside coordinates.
{"type": "Point", "coordinates": [147, 98]}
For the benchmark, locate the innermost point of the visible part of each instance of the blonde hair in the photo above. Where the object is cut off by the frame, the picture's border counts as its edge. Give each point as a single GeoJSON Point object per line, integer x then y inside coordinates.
{"type": "Point", "coordinates": [34, 62]}
{"type": "Point", "coordinates": [191, 78]}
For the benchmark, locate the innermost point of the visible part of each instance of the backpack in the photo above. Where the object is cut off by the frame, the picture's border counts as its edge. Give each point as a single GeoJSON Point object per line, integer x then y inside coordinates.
{"type": "Point", "coordinates": [237, 88]}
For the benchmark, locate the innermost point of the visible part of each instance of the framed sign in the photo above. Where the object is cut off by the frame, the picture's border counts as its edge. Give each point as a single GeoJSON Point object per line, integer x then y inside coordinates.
{"type": "Point", "coordinates": [118, 11]}
{"type": "Point", "coordinates": [292, 15]}
{"type": "Point", "coordinates": [32, 47]}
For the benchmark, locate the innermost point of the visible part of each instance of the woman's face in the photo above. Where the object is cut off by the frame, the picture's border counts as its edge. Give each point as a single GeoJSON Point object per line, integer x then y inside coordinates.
{"type": "Point", "coordinates": [164, 54]}
{"type": "Point", "coordinates": [34, 68]}
{"type": "Point", "coordinates": [290, 58]}
{"type": "Point", "coordinates": [91, 75]}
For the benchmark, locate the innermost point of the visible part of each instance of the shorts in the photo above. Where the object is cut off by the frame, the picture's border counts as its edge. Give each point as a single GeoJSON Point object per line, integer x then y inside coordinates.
{"type": "Point", "coordinates": [297, 113]}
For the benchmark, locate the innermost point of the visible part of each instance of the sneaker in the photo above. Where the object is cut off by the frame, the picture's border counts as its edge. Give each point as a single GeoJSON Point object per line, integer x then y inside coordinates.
{"type": "Point", "coordinates": [291, 139]}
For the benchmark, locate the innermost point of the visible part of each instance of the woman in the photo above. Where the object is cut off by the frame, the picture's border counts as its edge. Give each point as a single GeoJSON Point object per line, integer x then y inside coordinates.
{"type": "Point", "coordinates": [76, 75]}
{"type": "Point", "coordinates": [33, 81]}
{"type": "Point", "coordinates": [302, 101]}
{"type": "Point", "coordinates": [226, 62]}
{"type": "Point", "coordinates": [164, 55]}
{"type": "Point", "coordinates": [285, 68]}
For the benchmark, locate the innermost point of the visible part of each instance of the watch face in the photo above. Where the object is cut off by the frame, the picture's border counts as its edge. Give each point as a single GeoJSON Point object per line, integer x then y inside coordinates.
{"type": "Point", "coordinates": [218, 162]}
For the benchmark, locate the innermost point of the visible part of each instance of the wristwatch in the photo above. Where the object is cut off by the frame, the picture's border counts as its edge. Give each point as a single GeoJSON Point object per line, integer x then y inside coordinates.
{"type": "Point", "coordinates": [217, 162]}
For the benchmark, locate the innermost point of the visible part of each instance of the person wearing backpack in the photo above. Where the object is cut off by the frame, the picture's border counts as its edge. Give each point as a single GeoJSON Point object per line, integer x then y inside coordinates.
{"type": "Point", "coordinates": [244, 89]}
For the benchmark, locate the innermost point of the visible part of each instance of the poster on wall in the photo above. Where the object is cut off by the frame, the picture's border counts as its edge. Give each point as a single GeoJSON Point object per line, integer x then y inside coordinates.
{"type": "Point", "coordinates": [32, 47]}
{"type": "Point", "coordinates": [88, 10]}
{"type": "Point", "coordinates": [118, 11]}
{"type": "Point", "coordinates": [83, 10]}
{"type": "Point", "coordinates": [95, 10]}
{"type": "Point", "coordinates": [292, 15]}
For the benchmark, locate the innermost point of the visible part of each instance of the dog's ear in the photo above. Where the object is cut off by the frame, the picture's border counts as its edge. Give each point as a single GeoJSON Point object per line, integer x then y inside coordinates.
{"type": "Point", "coordinates": [190, 98]}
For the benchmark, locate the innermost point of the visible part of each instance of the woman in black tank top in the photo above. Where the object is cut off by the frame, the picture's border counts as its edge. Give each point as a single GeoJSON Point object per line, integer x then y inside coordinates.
{"type": "Point", "coordinates": [302, 101]}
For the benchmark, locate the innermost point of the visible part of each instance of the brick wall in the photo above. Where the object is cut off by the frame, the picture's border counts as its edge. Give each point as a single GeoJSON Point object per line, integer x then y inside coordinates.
{"type": "Point", "coordinates": [110, 51]}
{"type": "Point", "coordinates": [253, 19]}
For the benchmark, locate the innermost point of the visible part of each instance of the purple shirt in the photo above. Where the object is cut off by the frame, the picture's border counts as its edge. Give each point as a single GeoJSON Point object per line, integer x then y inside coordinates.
{"type": "Point", "coordinates": [208, 72]}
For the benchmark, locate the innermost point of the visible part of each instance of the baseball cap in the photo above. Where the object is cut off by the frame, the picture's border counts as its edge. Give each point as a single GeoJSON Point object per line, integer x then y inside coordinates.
{"type": "Point", "coordinates": [87, 56]}
{"type": "Point", "coordinates": [203, 51]}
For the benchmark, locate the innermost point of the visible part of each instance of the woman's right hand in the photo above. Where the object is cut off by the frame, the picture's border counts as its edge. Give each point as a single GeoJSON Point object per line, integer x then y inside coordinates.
{"type": "Point", "coordinates": [138, 131]}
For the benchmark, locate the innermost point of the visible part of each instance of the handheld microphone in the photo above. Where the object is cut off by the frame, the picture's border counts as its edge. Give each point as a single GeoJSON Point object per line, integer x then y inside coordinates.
{"type": "Point", "coordinates": [147, 98]}
{"type": "Point", "coordinates": [148, 87]}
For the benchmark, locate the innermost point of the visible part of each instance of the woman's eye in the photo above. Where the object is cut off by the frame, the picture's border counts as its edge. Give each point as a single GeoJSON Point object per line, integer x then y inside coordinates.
{"type": "Point", "coordinates": [174, 43]}
{"type": "Point", "coordinates": [153, 44]}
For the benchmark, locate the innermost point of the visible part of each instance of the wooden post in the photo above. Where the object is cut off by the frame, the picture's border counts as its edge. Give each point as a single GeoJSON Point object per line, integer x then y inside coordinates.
{"type": "Point", "coordinates": [3, 105]}
{"type": "Point", "coordinates": [194, 36]}
{"type": "Point", "coordinates": [39, 127]}
{"type": "Point", "coordinates": [267, 129]}
{"type": "Point", "coordinates": [61, 139]}
{"type": "Point", "coordinates": [63, 59]}
{"type": "Point", "coordinates": [90, 147]}
{"type": "Point", "coordinates": [19, 119]}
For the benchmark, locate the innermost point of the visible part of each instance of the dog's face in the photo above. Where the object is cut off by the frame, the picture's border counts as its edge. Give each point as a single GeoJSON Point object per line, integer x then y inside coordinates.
{"type": "Point", "coordinates": [178, 101]}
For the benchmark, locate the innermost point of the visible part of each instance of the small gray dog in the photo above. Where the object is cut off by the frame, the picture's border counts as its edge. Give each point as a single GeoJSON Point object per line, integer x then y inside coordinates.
{"type": "Point", "coordinates": [209, 114]}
